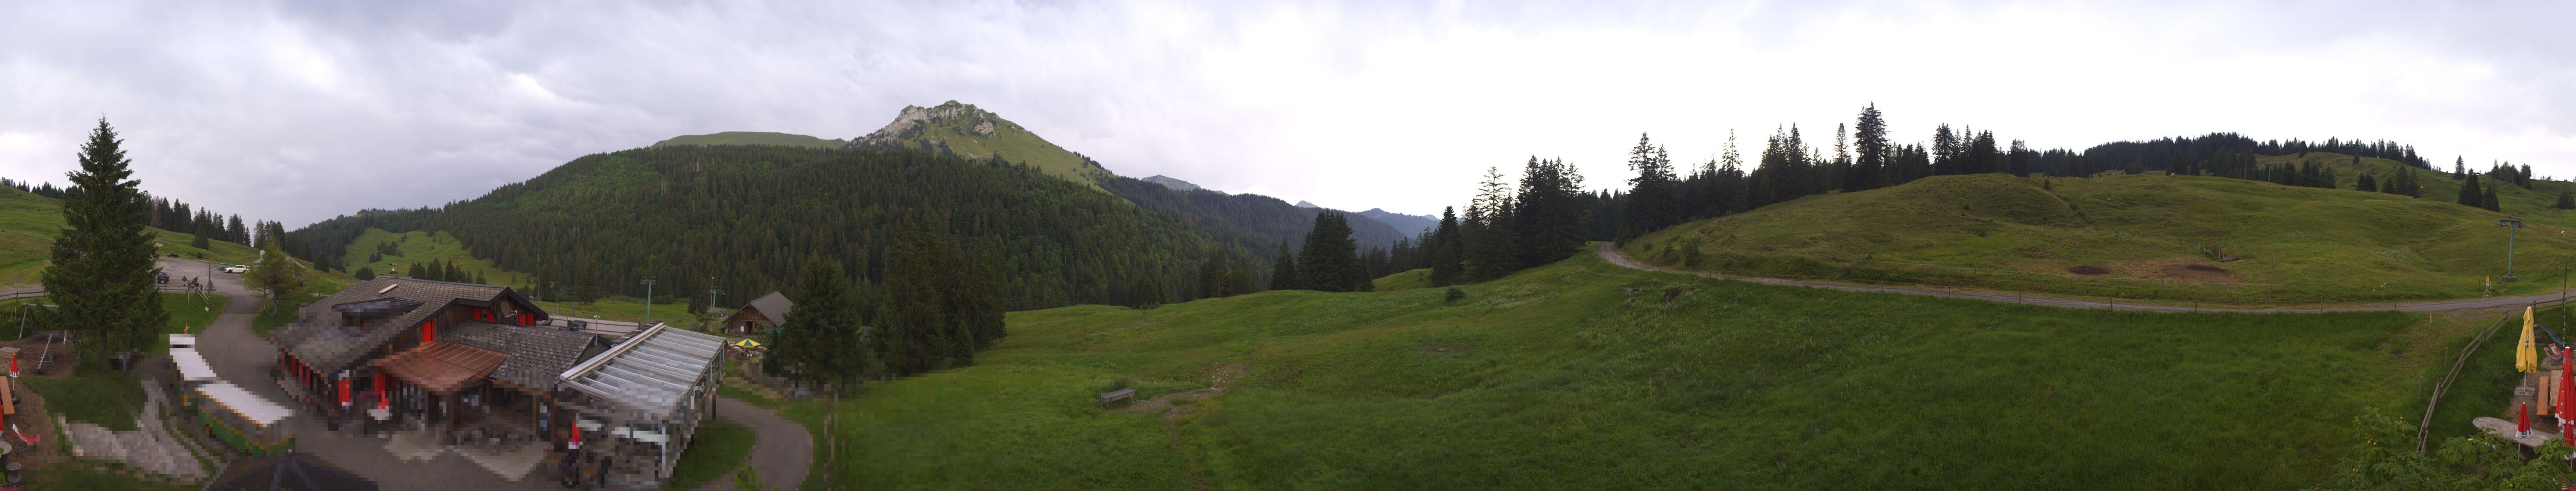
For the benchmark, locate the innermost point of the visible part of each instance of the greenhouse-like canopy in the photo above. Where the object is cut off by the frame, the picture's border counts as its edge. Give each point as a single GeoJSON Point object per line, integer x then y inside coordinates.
{"type": "Point", "coordinates": [651, 373]}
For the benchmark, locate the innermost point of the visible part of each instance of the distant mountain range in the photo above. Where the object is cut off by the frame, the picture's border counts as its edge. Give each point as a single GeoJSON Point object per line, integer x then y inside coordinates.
{"type": "Point", "coordinates": [1402, 222]}
{"type": "Point", "coordinates": [1175, 184]}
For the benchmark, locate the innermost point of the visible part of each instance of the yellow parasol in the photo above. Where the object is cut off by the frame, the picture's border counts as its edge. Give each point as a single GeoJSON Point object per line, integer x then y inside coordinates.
{"type": "Point", "coordinates": [2525, 357]}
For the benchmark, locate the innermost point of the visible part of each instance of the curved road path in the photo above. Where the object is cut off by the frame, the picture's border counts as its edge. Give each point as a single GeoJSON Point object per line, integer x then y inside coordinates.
{"type": "Point", "coordinates": [781, 449]}
{"type": "Point", "coordinates": [1611, 254]}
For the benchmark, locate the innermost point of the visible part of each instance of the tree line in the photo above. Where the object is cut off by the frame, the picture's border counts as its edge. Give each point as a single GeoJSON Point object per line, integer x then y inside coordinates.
{"type": "Point", "coordinates": [939, 302]}
{"type": "Point", "coordinates": [163, 213]}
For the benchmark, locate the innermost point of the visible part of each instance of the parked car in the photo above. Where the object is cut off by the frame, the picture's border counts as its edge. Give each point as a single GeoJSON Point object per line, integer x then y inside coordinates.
{"type": "Point", "coordinates": [236, 269]}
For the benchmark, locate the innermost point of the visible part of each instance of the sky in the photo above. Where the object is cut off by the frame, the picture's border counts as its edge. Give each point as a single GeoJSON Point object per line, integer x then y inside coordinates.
{"type": "Point", "coordinates": [298, 111]}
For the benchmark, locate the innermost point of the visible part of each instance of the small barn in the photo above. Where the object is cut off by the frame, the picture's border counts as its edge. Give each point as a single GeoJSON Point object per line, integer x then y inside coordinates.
{"type": "Point", "coordinates": [760, 315]}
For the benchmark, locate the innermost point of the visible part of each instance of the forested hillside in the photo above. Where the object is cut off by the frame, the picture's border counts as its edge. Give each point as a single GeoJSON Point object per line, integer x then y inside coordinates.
{"type": "Point", "coordinates": [750, 217]}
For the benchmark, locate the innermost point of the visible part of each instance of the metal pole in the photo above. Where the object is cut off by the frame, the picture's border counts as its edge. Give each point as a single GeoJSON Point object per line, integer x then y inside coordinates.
{"type": "Point", "coordinates": [648, 300]}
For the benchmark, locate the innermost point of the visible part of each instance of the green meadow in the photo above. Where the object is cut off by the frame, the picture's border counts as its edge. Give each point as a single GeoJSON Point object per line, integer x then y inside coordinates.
{"type": "Point", "coordinates": [1580, 375]}
{"type": "Point", "coordinates": [2173, 238]}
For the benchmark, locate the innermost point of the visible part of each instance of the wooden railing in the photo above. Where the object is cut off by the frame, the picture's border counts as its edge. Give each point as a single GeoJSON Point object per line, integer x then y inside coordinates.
{"type": "Point", "coordinates": [2424, 430]}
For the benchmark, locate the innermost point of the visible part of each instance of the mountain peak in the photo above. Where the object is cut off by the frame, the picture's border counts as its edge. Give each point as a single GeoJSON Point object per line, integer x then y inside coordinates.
{"type": "Point", "coordinates": [1303, 204]}
{"type": "Point", "coordinates": [970, 132]}
{"type": "Point", "coordinates": [914, 121]}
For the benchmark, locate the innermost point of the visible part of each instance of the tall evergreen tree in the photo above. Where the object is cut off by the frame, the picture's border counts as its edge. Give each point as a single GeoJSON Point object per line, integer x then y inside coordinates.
{"type": "Point", "coordinates": [1651, 197]}
{"type": "Point", "coordinates": [912, 315]}
{"type": "Point", "coordinates": [1448, 252]}
{"type": "Point", "coordinates": [1283, 270]}
{"type": "Point", "coordinates": [2469, 194]}
{"type": "Point", "coordinates": [1549, 220]}
{"type": "Point", "coordinates": [1330, 261]}
{"type": "Point", "coordinates": [2487, 199]}
{"type": "Point", "coordinates": [1871, 144]}
{"type": "Point", "coordinates": [1488, 229]}
{"type": "Point", "coordinates": [815, 345]}
{"type": "Point", "coordinates": [103, 271]}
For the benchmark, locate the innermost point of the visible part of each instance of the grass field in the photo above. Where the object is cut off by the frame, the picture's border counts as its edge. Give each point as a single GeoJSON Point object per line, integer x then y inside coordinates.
{"type": "Point", "coordinates": [1419, 278]}
{"type": "Point", "coordinates": [94, 394]}
{"type": "Point", "coordinates": [29, 224]}
{"type": "Point", "coordinates": [720, 446]}
{"type": "Point", "coordinates": [1559, 378]}
{"type": "Point", "coordinates": [2140, 236]}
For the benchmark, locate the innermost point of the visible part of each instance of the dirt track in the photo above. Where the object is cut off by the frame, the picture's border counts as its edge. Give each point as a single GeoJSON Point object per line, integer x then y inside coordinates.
{"type": "Point", "coordinates": [1611, 254]}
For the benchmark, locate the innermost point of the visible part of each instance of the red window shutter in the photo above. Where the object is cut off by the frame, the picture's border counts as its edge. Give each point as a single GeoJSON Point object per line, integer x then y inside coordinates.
{"type": "Point", "coordinates": [428, 331]}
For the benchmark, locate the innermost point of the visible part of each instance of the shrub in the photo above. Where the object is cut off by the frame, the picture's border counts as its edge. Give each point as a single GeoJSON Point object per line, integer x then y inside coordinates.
{"type": "Point", "coordinates": [366, 273]}
{"type": "Point", "coordinates": [1456, 294]}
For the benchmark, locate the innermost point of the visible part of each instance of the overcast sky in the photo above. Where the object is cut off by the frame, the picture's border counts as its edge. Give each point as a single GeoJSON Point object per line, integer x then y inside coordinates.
{"type": "Point", "coordinates": [299, 111]}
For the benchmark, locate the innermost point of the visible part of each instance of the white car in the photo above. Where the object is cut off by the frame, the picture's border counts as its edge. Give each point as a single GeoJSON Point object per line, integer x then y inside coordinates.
{"type": "Point", "coordinates": [236, 269]}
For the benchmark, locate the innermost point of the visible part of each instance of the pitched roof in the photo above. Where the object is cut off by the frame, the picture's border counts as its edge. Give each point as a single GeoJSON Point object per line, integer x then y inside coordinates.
{"type": "Point", "coordinates": [536, 354]}
{"type": "Point", "coordinates": [441, 366]}
{"type": "Point", "coordinates": [651, 373]}
{"type": "Point", "coordinates": [320, 339]}
{"type": "Point", "coordinates": [773, 306]}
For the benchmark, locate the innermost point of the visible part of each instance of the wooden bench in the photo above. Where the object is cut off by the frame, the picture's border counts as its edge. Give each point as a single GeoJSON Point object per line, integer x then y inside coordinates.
{"type": "Point", "coordinates": [1116, 395]}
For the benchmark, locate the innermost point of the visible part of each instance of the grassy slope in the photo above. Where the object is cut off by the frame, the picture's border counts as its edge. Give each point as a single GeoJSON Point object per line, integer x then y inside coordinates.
{"type": "Point", "coordinates": [719, 447]}
{"type": "Point", "coordinates": [1418, 278]}
{"type": "Point", "coordinates": [1998, 231]}
{"type": "Point", "coordinates": [29, 224]}
{"type": "Point", "coordinates": [753, 138]}
{"type": "Point", "coordinates": [106, 397]}
{"type": "Point", "coordinates": [418, 247]}
{"type": "Point", "coordinates": [1556, 379]}
{"type": "Point", "coordinates": [1012, 141]}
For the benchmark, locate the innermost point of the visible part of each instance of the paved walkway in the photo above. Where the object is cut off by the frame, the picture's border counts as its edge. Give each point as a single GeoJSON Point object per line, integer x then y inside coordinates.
{"type": "Point", "coordinates": [1611, 254]}
{"type": "Point", "coordinates": [781, 451]}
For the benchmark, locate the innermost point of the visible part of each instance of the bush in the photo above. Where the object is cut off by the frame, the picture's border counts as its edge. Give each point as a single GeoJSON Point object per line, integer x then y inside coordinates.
{"type": "Point", "coordinates": [366, 273]}
{"type": "Point", "coordinates": [1456, 294]}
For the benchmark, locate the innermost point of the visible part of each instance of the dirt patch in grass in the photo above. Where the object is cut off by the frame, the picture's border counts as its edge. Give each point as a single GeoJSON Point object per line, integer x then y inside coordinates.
{"type": "Point", "coordinates": [2174, 268]}
{"type": "Point", "coordinates": [2087, 270]}
{"type": "Point", "coordinates": [37, 347]}
{"type": "Point", "coordinates": [1441, 349]}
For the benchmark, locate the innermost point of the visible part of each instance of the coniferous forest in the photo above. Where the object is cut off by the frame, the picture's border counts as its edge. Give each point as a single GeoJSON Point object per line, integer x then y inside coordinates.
{"type": "Point", "coordinates": [751, 218]}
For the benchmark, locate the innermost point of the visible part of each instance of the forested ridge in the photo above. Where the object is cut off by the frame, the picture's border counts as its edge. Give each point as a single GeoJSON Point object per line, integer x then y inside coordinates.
{"type": "Point", "coordinates": [751, 217]}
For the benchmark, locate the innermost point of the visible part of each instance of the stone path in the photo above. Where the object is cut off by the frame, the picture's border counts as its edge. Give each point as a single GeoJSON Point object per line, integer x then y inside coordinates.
{"type": "Point", "coordinates": [151, 447]}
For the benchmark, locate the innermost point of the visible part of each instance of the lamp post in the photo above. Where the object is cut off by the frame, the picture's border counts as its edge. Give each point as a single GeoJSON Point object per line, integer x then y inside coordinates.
{"type": "Point", "coordinates": [2509, 226]}
{"type": "Point", "coordinates": [712, 294]}
{"type": "Point", "coordinates": [648, 300]}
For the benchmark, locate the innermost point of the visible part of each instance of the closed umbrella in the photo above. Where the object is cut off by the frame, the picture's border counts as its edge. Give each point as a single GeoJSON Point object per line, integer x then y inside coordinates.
{"type": "Point", "coordinates": [2525, 356]}
{"type": "Point", "coordinates": [2566, 386]}
{"type": "Point", "coordinates": [2523, 423]}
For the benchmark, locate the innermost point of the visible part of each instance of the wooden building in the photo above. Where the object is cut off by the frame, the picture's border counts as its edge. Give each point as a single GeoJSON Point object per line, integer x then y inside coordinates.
{"type": "Point", "coordinates": [760, 315]}
{"type": "Point", "coordinates": [409, 351]}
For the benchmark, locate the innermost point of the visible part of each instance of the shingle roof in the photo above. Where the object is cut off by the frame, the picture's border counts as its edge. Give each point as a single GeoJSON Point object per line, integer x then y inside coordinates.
{"type": "Point", "coordinates": [319, 339]}
{"type": "Point", "coordinates": [537, 354]}
{"type": "Point", "coordinates": [773, 306]}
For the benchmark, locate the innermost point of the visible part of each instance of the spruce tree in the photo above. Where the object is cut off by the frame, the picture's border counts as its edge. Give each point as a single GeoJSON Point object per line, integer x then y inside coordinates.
{"type": "Point", "coordinates": [814, 345]}
{"type": "Point", "coordinates": [2566, 200]}
{"type": "Point", "coordinates": [1447, 250]}
{"type": "Point", "coordinates": [2366, 183]}
{"type": "Point", "coordinates": [2469, 194]}
{"type": "Point", "coordinates": [1870, 142]}
{"type": "Point", "coordinates": [103, 269]}
{"type": "Point", "coordinates": [1283, 271]}
{"type": "Point", "coordinates": [2488, 199]}
{"type": "Point", "coordinates": [1330, 260]}
{"type": "Point", "coordinates": [911, 315]}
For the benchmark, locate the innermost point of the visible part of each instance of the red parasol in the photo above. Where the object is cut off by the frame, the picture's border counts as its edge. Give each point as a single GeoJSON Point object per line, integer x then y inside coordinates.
{"type": "Point", "coordinates": [344, 392]}
{"type": "Point", "coordinates": [2523, 423]}
{"type": "Point", "coordinates": [576, 437]}
{"type": "Point", "coordinates": [382, 402]}
{"type": "Point", "coordinates": [2566, 387]}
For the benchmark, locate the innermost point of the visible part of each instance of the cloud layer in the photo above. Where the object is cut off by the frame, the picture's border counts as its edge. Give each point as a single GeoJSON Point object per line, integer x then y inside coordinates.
{"type": "Point", "coordinates": [298, 111]}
